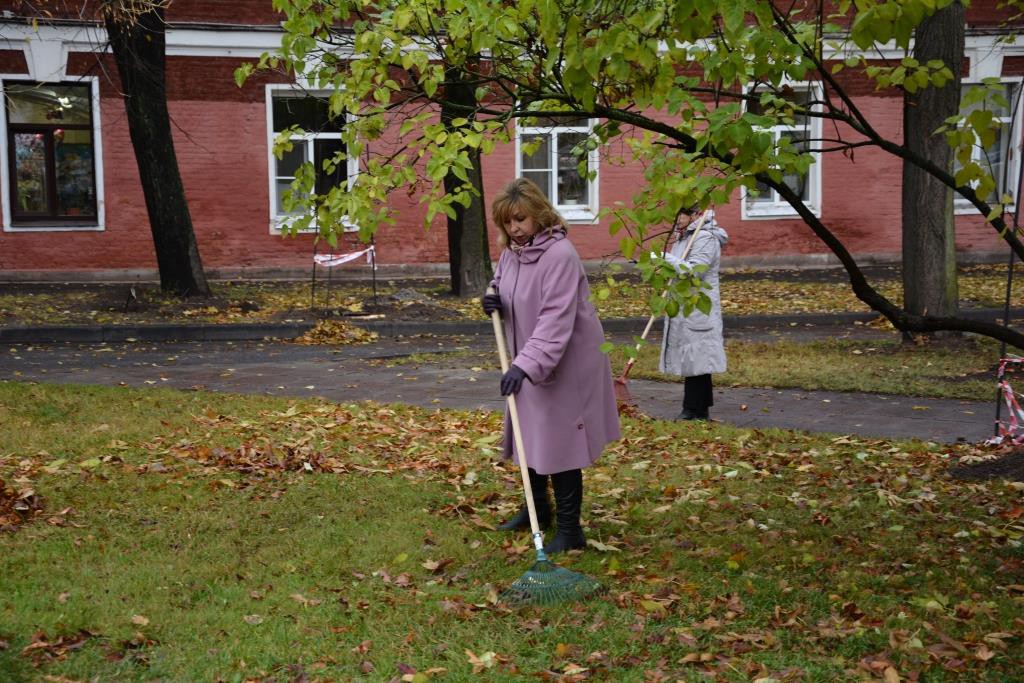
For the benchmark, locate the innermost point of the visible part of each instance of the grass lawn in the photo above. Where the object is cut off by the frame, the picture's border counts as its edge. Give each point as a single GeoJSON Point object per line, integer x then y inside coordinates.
{"type": "Point", "coordinates": [961, 369]}
{"type": "Point", "coordinates": [195, 536]}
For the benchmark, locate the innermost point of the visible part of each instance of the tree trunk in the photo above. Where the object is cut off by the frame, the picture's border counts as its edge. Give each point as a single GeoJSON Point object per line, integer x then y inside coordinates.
{"type": "Point", "coordinates": [138, 48]}
{"type": "Point", "coordinates": [468, 253]}
{"type": "Point", "coordinates": [929, 249]}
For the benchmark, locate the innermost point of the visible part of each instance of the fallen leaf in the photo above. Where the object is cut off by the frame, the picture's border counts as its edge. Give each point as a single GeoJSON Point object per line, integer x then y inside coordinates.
{"type": "Point", "coordinates": [484, 661]}
{"type": "Point", "coordinates": [304, 601]}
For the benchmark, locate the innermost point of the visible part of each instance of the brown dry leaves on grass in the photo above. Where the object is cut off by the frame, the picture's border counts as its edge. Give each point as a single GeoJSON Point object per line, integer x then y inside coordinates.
{"type": "Point", "coordinates": [230, 302]}
{"type": "Point", "coordinates": [694, 528]}
{"type": "Point", "coordinates": [237, 302]}
{"type": "Point", "coordinates": [979, 286]}
{"type": "Point", "coordinates": [338, 439]}
{"type": "Point", "coordinates": [43, 648]}
{"type": "Point", "coordinates": [760, 503]}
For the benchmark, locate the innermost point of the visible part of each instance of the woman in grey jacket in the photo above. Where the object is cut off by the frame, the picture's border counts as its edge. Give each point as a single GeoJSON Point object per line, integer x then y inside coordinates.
{"type": "Point", "coordinates": [692, 346]}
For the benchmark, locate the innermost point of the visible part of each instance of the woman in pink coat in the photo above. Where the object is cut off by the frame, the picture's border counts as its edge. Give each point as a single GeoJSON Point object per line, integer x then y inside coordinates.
{"type": "Point", "coordinates": [566, 402]}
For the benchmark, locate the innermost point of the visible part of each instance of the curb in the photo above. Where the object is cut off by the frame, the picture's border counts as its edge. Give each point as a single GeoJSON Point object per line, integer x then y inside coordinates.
{"type": "Point", "coordinates": [92, 334]}
{"type": "Point", "coordinates": [155, 333]}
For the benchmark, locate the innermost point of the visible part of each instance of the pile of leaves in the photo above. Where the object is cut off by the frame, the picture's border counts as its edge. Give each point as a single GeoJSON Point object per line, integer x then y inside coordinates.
{"type": "Point", "coordinates": [363, 438]}
{"type": "Point", "coordinates": [1002, 461]}
{"type": "Point", "coordinates": [337, 332]}
{"type": "Point", "coordinates": [17, 505]}
{"type": "Point", "coordinates": [44, 648]}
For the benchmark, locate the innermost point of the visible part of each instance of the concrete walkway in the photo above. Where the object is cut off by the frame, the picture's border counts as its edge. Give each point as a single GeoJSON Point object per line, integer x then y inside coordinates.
{"type": "Point", "coordinates": [363, 372]}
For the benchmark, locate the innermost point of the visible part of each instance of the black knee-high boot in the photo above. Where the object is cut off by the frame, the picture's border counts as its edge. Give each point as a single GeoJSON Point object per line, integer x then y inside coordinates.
{"type": "Point", "coordinates": [568, 501]}
{"type": "Point", "coordinates": [697, 398]}
{"type": "Point", "coordinates": [521, 520]}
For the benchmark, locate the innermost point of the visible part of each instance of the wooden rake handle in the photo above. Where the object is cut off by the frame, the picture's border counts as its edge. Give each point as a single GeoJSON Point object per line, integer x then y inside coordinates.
{"type": "Point", "coordinates": [517, 434]}
{"type": "Point", "coordinates": [650, 323]}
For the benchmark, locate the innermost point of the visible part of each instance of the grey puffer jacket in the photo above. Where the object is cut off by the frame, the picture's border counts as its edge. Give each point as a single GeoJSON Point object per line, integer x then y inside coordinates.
{"type": "Point", "coordinates": [692, 345]}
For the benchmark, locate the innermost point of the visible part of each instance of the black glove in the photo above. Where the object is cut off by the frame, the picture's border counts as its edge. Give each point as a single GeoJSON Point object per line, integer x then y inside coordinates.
{"type": "Point", "coordinates": [491, 303]}
{"type": "Point", "coordinates": [512, 380]}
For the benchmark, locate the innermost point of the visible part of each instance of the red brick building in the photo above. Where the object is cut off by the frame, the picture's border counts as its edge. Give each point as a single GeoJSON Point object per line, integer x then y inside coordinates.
{"type": "Point", "coordinates": [72, 204]}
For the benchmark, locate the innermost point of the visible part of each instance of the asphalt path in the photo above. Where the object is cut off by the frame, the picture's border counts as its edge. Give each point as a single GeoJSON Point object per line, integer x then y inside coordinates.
{"type": "Point", "coordinates": [422, 371]}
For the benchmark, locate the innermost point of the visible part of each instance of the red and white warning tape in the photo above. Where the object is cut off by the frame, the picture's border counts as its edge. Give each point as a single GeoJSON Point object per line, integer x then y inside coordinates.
{"type": "Point", "coordinates": [1011, 428]}
{"type": "Point", "coordinates": [331, 260]}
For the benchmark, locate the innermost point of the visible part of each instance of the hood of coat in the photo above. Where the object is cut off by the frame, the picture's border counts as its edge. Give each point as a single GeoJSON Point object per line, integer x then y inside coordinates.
{"type": "Point", "coordinates": [542, 241]}
{"type": "Point", "coordinates": [714, 229]}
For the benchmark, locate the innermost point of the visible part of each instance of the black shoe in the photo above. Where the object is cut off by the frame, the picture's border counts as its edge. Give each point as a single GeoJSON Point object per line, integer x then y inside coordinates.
{"type": "Point", "coordinates": [690, 414]}
{"type": "Point", "coordinates": [568, 500]}
{"type": "Point", "coordinates": [521, 520]}
{"type": "Point", "coordinates": [566, 541]}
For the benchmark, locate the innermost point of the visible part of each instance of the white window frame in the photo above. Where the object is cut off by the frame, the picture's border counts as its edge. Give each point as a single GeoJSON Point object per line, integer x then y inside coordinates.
{"type": "Point", "coordinates": [97, 141]}
{"type": "Point", "coordinates": [779, 208]}
{"type": "Point", "coordinates": [572, 213]}
{"type": "Point", "coordinates": [279, 221]}
{"type": "Point", "coordinates": [962, 206]}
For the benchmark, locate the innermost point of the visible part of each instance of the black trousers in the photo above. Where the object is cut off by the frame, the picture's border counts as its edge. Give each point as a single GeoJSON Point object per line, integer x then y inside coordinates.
{"type": "Point", "coordinates": [697, 392]}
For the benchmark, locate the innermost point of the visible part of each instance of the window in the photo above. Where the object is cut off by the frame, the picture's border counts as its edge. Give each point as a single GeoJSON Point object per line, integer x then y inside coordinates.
{"type": "Point", "coordinates": [51, 161]}
{"type": "Point", "coordinates": [802, 132]}
{"type": "Point", "coordinates": [319, 139]}
{"type": "Point", "coordinates": [544, 155]}
{"type": "Point", "coordinates": [999, 159]}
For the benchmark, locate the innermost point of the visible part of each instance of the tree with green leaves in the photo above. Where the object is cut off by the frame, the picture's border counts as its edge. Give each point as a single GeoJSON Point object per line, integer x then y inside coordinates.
{"type": "Point", "coordinates": [454, 102]}
{"type": "Point", "coordinates": [691, 86]}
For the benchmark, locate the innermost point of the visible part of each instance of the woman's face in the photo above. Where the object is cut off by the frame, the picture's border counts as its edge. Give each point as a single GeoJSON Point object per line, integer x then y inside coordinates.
{"type": "Point", "coordinates": [521, 226]}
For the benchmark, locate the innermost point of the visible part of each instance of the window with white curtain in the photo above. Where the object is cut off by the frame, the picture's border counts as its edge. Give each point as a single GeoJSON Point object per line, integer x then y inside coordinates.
{"type": "Point", "coordinates": [803, 133]}
{"type": "Point", "coordinates": [319, 139]}
{"type": "Point", "coordinates": [544, 154]}
{"type": "Point", "coordinates": [1002, 158]}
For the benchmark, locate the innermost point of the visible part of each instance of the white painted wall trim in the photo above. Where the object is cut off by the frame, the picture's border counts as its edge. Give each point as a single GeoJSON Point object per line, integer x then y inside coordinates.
{"type": "Point", "coordinates": [187, 42]}
{"type": "Point", "coordinates": [986, 50]}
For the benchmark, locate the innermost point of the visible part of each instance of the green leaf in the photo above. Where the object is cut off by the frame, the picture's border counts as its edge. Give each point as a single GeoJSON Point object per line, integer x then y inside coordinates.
{"type": "Point", "coordinates": [242, 73]}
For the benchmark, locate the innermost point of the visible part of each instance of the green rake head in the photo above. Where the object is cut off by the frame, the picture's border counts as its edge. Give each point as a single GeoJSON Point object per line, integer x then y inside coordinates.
{"type": "Point", "coordinates": [545, 583]}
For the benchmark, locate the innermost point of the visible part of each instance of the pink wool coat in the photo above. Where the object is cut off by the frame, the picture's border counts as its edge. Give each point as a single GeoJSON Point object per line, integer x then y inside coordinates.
{"type": "Point", "coordinates": [567, 407]}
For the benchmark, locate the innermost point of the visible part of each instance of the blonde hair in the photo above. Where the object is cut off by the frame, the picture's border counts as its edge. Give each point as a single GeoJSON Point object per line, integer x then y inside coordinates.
{"type": "Point", "coordinates": [522, 195]}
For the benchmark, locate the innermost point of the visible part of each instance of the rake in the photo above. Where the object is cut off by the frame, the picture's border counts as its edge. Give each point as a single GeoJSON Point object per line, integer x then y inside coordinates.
{"type": "Point", "coordinates": [545, 583]}
{"type": "Point", "coordinates": [622, 395]}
